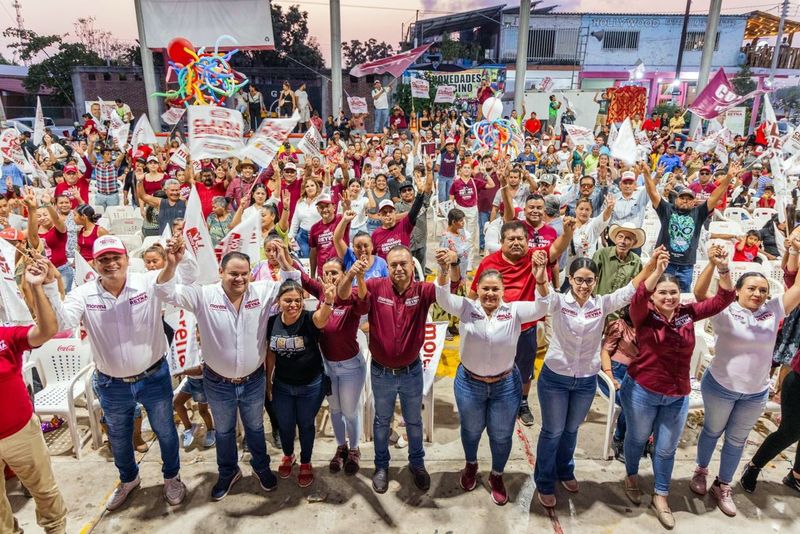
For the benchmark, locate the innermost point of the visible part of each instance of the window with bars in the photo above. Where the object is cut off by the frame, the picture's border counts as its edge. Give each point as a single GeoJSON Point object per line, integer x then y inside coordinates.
{"type": "Point", "coordinates": [621, 40]}
{"type": "Point", "coordinates": [695, 41]}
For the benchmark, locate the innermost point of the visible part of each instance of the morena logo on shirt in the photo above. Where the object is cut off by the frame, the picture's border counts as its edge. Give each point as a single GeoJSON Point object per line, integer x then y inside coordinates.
{"type": "Point", "coordinates": [338, 311]}
{"type": "Point", "coordinates": [594, 314]}
{"type": "Point", "coordinates": [568, 312]}
{"type": "Point", "coordinates": [217, 307]}
{"type": "Point", "coordinates": [764, 316]}
{"type": "Point", "coordinates": [683, 320]}
{"type": "Point", "coordinates": [504, 316]}
{"type": "Point", "coordinates": [138, 299]}
{"type": "Point", "coordinates": [95, 307]}
{"type": "Point", "coordinates": [384, 300]}
{"type": "Point", "coordinates": [255, 303]}
{"type": "Point", "coordinates": [476, 315]}
{"type": "Point", "coordinates": [412, 301]}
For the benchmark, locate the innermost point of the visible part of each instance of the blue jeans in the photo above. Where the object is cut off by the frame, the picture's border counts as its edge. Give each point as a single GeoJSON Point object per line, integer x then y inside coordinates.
{"type": "Point", "coordinates": [381, 120]}
{"type": "Point", "coordinates": [619, 371]}
{"type": "Point", "coordinates": [386, 387]}
{"type": "Point", "coordinates": [681, 140]}
{"type": "Point", "coordinates": [106, 200]}
{"type": "Point", "coordinates": [564, 402]}
{"type": "Point", "coordinates": [226, 401]}
{"type": "Point", "coordinates": [297, 406]}
{"type": "Point", "coordinates": [492, 407]}
{"type": "Point", "coordinates": [443, 184]}
{"type": "Point", "coordinates": [526, 354]}
{"type": "Point", "coordinates": [118, 400]}
{"type": "Point", "coordinates": [302, 242]}
{"type": "Point", "coordinates": [662, 415]}
{"type": "Point", "coordinates": [732, 413]}
{"type": "Point", "coordinates": [684, 275]}
{"type": "Point", "coordinates": [346, 401]}
{"type": "Point", "coordinates": [67, 276]}
{"type": "Point", "coordinates": [483, 218]}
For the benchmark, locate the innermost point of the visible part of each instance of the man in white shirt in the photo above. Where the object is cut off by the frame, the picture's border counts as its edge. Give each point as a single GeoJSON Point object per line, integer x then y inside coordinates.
{"type": "Point", "coordinates": [232, 317]}
{"type": "Point", "coordinates": [381, 102]}
{"type": "Point", "coordinates": [122, 315]}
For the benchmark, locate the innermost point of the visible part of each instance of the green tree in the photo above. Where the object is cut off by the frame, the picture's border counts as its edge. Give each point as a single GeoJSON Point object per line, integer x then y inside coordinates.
{"type": "Point", "coordinates": [743, 81]}
{"type": "Point", "coordinates": [357, 52]}
{"type": "Point", "coordinates": [402, 97]}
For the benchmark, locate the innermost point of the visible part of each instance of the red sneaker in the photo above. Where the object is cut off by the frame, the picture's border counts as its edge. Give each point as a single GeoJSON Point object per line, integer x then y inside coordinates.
{"type": "Point", "coordinates": [306, 476]}
{"type": "Point", "coordinates": [499, 495]}
{"type": "Point", "coordinates": [469, 475]}
{"type": "Point", "coordinates": [285, 469]}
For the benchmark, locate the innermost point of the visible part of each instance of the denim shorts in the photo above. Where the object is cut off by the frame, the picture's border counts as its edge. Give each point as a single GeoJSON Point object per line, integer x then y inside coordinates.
{"type": "Point", "coordinates": [194, 387]}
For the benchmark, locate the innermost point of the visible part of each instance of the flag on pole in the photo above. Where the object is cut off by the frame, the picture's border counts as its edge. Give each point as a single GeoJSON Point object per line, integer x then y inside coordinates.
{"type": "Point", "coordinates": [244, 238]}
{"type": "Point", "coordinates": [718, 96]}
{"type": "Point", "coordinates": [16, 311]}
{"type": "Point", "coordinates": [38, 123]}
{"type": "Point", "coordinates": [624, 147]}
{"type": "Point", "coordinates": [394, 65]}
{"type": "Point", "coordinates": [83, 271]}
{"type": "Point", "coordinates": [264, 144]}
{"type": "Point", "coordinates": [310, 144]}
{"type": "Point", "coordinates": [143, 133]}
{"type": "Point", "coordinates": [198, 241]}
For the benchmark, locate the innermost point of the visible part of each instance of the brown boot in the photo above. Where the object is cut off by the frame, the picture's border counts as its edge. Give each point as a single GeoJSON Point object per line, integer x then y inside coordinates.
{"type": "Point", "coordinates": [138, 443]}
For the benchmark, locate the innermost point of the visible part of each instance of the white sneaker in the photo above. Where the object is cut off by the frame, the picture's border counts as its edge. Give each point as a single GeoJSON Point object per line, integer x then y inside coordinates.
{"type": "Point", "coordinates": [121, 493]}
{"type": "Point", "coordinates": [188, 436]}
{"type": "Point", "coordinates": [174, 490]}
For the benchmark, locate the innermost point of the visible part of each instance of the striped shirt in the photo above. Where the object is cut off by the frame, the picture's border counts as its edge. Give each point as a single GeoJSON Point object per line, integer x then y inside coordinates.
{"type": "Point", "coordinates": [105, 176]}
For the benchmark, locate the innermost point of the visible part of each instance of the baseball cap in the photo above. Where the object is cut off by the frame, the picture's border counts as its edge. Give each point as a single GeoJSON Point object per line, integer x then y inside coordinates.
{"type": "Point", "coordinates": [386, 203]}
{"type": "Point", "coordinates": [290, 166]}
{"type": "Point", "coordinates": [449, 141]}
{"type": "Point", "coordinates": [395, 136]}
{"type": "Point", "coordinates": [108, 243]}
{"type": "Point", "coordinates": [705, 168]}
{"type": "Point", "coordinates": [548, 179]}
{"type": "Point", "coordinates": [70, 169]}
{"type": "Point", "coordinates": [12, 234]}
{"type": "Point", "coordinates": [628, 176]}
{"type": "Point", "coordinates": [686, 191]}
{"type": "Point", "coordinates": [406, 185]}
{"type": "Point", "coordinates": [324, 198]}
{"type": "Point", "coordinates": [152, 158]}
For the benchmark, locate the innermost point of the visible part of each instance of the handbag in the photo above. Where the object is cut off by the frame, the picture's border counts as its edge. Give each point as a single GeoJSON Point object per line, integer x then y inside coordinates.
{"type": "Point", "coordinates": [263, 113]}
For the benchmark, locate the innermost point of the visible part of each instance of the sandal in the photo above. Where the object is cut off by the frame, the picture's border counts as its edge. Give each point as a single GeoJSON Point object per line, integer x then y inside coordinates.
{"type": "Point", "coordinates": [665, 517]}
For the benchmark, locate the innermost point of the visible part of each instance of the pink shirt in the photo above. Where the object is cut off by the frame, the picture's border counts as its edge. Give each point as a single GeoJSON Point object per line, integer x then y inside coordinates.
{"type": "Point", "coordinates": [543, 237]}
{"type": "Point", "coordinates": [321, 237]}
{"type": "Point", "coordinates": [464, 193]}
{"type": "Point", "coordinates": [397, 321]}
{"type": "Point", "coordinates": [384, 239]}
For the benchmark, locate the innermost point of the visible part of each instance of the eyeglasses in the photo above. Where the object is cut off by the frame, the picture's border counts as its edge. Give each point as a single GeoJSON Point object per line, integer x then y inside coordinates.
{"type": "Point", "coordinates": [704, 172]}
{"type": "Point", "coordinates": [583, 281]}
{"type": "Point", "coordinates": [586, 185]}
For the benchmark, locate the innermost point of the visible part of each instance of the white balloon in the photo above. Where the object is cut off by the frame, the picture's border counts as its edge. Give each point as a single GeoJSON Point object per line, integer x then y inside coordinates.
{"type": "Point", "coordinates": [492, 109]}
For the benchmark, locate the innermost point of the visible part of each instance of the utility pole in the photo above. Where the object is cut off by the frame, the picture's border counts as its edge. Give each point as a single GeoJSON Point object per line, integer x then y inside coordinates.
{"type": "Point", "coordinates": [681, 47]}
{"type": "Point", "coordinates": [148, 71]}
{"type": "Point", "coordinates": [777, 51]}
{"type": "Point", "coordinates": [336, 57]}
{"type": "Point", "coordinates": [522, 53]}
{"type": "Point", "coordinates": [712, 24]}
{"type": "Point", "coordinates": [20, 23]}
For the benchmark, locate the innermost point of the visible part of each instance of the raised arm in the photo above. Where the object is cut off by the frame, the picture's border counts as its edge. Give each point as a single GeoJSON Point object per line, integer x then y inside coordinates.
{"type": "Point", "coordinates": [150, 200]}
{"type": "Point", "coordinates": [36, 275]}
{"type": "Point", "coordinates": [716, 256]}
{"type": "Point", "coordinates": [339, 241]}
{"type": "Point", "coordinates": [33, 218]}
{"type": "Point", "coordinates": [722, 189]}
{"type": "Point", "coordinates": [562, 242]}
{"type": "Point", "coordinates": [452, 304]}
{"type": "Point", "coordinates": [650, 186]}
{"type": "Point", "coordinates": [325, 309]}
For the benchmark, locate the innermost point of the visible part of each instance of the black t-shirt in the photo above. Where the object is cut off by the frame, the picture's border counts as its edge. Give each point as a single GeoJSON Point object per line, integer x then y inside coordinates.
{"type": "Point", "coordinates": [298, 360]}
{"type": "Point", "coordinates": [680, 232]}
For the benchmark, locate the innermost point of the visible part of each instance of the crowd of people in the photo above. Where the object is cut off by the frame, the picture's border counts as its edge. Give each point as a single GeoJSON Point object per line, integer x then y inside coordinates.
{"type": "Point", "coordinates": [540, 264]}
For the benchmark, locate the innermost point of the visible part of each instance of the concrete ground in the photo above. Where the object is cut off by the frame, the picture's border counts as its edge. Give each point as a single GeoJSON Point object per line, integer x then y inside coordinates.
{"type": "Point", "coordinates": [338, 503]}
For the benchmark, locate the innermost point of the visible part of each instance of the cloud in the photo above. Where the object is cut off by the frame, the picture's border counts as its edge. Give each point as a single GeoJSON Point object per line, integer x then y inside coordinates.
{"type": "Point", "coordinates": [456, 6]}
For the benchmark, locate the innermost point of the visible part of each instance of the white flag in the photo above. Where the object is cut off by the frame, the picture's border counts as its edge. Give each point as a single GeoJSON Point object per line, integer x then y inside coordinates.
{"type": "Point", "coordinates": [445, 94]}
{"type": "Point", "coordinates": [120, 134]}
{"type": "Point", "coordinates": [173, 115]}
{"type": "Point", "coordinates": [791, 144]}
{"type": "Point", "coordinates": [83, 271]}
{"type": "Point", "coordinates": [357, 104]}
{"type": "Point", "coordinates": [214, 132]}
{"type": "Point", "coordinates": [245, 237]}
{"type": "Point", "coordinates": [580, 135]}
{"type": "Point", "coordinates": [264, 144]}
{"type": "Point", "coordinates": [624, 147]}
{"type": "Point", "coordinates": [198, 241]}
{"type": "Point", "coordinates": [420, 88]}
{"type": "Point", "coordinates": [697, 135]}
{"type": "Point", "coordinates": [10, 149]}
{"type": "Point", "coordinates": [310, 143]}
{"type": "Point", "coordinates": [431, 353]}
{"type": "Point", "coordinates": [38, 123]}
{"type": "Point", "coordinates": [613, 132]}
{"type": "Point", "coordinates": [180, 155]}
{"type": "Point", "coordinates": [184, 353]}
{"type": "Point", "coordinates": [721, 151]}
{"type": "Point", "coordinates": [14, 307]}
{"type": "Point", "coordinates": [143, 133]}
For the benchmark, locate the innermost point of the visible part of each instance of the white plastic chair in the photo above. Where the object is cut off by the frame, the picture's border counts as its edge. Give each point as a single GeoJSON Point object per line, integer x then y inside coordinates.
{"type": "Point", "coordinates": [62, 365]}
{"type": "Point", "coordinates": [136, 265]}
{"type": "Point", "coordinates": [120, 212]}
{"type": "Point", "coordinates": [126, 225]}
{"type": "Point", "coordinates": [131, 241]}
{"type": "Point", "coordinates": [611, 414]}
{"type": "Point", "coordinates": [766, 213]}
{"type": "Point", "coordinates": [736, 214]}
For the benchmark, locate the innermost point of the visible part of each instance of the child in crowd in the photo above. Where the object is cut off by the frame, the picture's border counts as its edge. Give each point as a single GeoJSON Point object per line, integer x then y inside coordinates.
{"type": "Point", "coordinates": [193, 389]}
{"type": "Point", "coordinates": [767, 200]}
{"type": "Point", "coordinates": [748, 247]}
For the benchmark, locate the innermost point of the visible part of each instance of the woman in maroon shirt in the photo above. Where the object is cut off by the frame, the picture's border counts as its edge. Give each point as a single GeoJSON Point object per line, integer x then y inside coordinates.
{"type": "Point", "coordinates": [655, 394]}
{"type": "Point", "coordinates": [344, 363]}
{"type": "Point", "coordinates": [86, 218]}
{"type": "Point", "coordinates": [46, 225]}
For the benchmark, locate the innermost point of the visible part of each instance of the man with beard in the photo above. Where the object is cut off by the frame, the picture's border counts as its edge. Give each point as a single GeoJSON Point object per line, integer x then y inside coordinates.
{"type": "Point", "coordinates": [208, 188]}
{"type": "Point", "coordinates": [513, 261]}
{"type": "Point", "coordinates": [681, 224]}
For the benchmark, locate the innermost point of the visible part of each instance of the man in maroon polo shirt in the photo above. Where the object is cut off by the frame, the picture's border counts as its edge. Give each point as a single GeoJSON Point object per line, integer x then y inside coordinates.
{"type": "Point", "coordinates": [398, 311]}
{"type": "Point", "coordinates": [320, 237]}
{"type": "Point", "coordinates": [394, 233]}
{"type": "Point", "coordinates": [513, 260]}
{"type": "Point", "coordinates": [22, 446]}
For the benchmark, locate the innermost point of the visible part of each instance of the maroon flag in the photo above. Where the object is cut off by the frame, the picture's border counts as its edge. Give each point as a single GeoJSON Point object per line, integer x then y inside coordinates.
{"type": "Point", "coordinates": [394, 65]}
{"type": "Point", "coordinates": [718, 96]}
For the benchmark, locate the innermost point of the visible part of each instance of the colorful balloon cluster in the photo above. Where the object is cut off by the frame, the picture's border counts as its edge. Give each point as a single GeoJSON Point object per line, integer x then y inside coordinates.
{"type": "Point", "coordinates": [498, 136]}
{"type": "Point", "coordinates": [204, 78]}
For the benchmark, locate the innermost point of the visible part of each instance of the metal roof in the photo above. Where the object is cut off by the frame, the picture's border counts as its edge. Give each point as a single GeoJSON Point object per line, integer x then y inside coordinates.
{"type": "Point", "coordinates": [458, 21]}
{"type": "Point", "coordinates": [761, 24]}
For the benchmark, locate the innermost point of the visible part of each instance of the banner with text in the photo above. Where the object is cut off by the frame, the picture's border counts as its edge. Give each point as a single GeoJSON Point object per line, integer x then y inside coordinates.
{"type": "Point", "coordinates": [357, 105]}
{"type": "Point", "coordinates": [445, 94]}
{"type": "Point", "coordinates": [310, 143]}
{"type": "Point", "coordinates": [173, 115]}
{"type": "Point", "coordinates": [264, 144]}
{"type": "Point", "coordinates": [431, 353]}
{"type": "Point", "coordinates": [734, 120]}
{"type": "Point", "coordinates": [420, 88]}
{"type": "Point", "coordinates": [214, 132]}
{"type": "Point", "coordinates": [580, 135]}
{"type": "Point", "coordinates": [465, 82]}
{"type": "Point", "coordinates": [184, 353]}
{"type": "Point", "coordinates": [719, 96]}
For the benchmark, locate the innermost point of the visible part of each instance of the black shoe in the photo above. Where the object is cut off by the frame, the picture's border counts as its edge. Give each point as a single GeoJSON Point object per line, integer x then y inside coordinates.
{"type": "Point", "coordinates": [649, 449]}
{"type": "Point", "coordinates": [224, 485]}
{"type": "Point", "coordinates": [277, 437]}
{"type": "Point", "coordinates": [267, 479]}
{"type": "Point", "coordinates": [525, 414]}
{"type": "Point", "coordinates": [421, 477]}
{"type": "Point", "coordinates": [749, 478]}
{"type": "Point", "coordinates": [618, 448]}
{"type": "Point", "coordinates": [380, 480]}
{"type": "Point", "coordinates": [791, 481]}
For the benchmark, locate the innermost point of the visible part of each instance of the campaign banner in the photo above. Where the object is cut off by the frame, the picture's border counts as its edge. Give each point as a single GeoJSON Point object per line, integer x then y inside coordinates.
{"type": "Point", "coordinates": [14, 307]}
{"type": "Point", "coordinates": [83, 271]}
{"type": "Point", "coordinates": [624, 147]}
{"type": "Point", "coordinates": [264, 144]}
{"type": "Point", "coordinates": [214, 132]}
{"type": "Point", "coordinates": [119, 133]}
{"type": "Point", "coordinates": [38, 123]}
{"type": "Point", "coordinates": [357, 105]}
{"type": "Point", "coordinates": [580, 135]}
{"type": "Point", "coordinates": [792, 143]}
{"type": "Point", "coordinates": [198, 241]}
{"type": "Point", "coordinates": [734, 120]}
{"type": "Point", "coordinates": [310, 143]}
{"type": "Point", "coordinates": [173, 115]}
{"type": "Point", "coordinates": [431, 353]}
{"type": "Point", "coordinates": [445, 94]}
{"type": "Point", "coordinates": [10, 149]}
{"type": "Point", "coordinates": [143, 133]}
{"type": "Point", "coordinates": [420, 88]}
{"type": "Point", "coordinates": [245, 237]}
{"type": "Point", "coordinates": [546, 84]}
{"type": "Point", "coordinates": [719, 96]}
{"type": "Point", "coordinates": [180, 155]}
{"type": "Point", "coordinates": [465, 82]}
{"type": "Point", "coordinates": [184, 353]}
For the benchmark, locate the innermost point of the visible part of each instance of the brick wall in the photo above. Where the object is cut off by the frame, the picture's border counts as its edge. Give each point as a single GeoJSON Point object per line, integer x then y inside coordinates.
{"type": "Point", "coordinates": [109, 83]}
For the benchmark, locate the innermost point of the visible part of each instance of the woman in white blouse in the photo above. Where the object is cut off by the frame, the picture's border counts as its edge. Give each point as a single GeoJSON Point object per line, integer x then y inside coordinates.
{"type": "Point", "coordinates": [305, 215]}
{"type": "Point", "coordinates": [568, 379]}
{"type": "Point", "coordinates": [736, 384]}
{"type": "Point", "coordinates": [587, 230]}
{"type": "Point", "coordinates": [488, 387]}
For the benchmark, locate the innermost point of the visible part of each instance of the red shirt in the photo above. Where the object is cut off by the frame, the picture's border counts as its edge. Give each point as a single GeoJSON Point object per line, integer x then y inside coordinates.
{"type": "Point", "coordinates": [702, 192]}
{"type": "Point", "coordinates": [541, 238]}
{"type": "Point", "coordinates": [665, 347]}
{"type": "Point", "coordinates": [764, 202]}
{"type": "Point", "coordinates": [484, 93]}
{"type": "Point", "coordinates": [465, 194]}
{"type": "Point", "coordinates": [383, 239]}
{"type": "Point", "coordinates": [17, 408]}
{"type": "Point", "coordinates": [532, 126]}
{"type": "Point", "coordinates": [207, 195]}
{"type": "Point", "coordinates": [65, 189]}
{"type": "Point", "coordinates": [650, 125]}
{"type": "Point", "coordinates": [486, 195]}
{"type": "Point", "coordinates": [746, 254]}
{"type": "Point", "coordinates": [295, 190]}
{"type": "Point", "coordinates": [519, 283]}
{"type": "Point", "coordinates": [86, 243]}
{"type": "Point", "coordinates": [55, 246]}
{"type": "Point", "coordinates": [321, 237]}
{"type": "Point", "coordinates": [397, 321]}
{"type": "Point", "coordinates": [338, 341]}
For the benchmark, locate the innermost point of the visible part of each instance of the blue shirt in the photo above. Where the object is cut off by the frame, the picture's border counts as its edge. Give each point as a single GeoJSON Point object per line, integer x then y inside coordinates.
{"type": "Point", "coordinates": [379, 268]}
{"type": "Point", "coordinates": [669, 162]}
{"type": "Point", "coordinates": [17, 178]}
{"type": "Point", "coordinates": [528, 161]}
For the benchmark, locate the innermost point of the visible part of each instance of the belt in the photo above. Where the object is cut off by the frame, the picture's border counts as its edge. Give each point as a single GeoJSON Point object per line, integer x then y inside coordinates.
{"type": "Point", "coordinates": [241, 380]}
{"type": "Point", "coordinates": [487, 379]}
{"type": "Point", "coordinates": [397, 370]}
{"type": "Point", "coordinates": [141, 376]}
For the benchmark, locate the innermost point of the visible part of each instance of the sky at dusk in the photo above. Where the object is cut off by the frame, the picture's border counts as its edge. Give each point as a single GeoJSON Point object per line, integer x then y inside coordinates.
{"type": "Point", "coordinates": [361, 19]}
